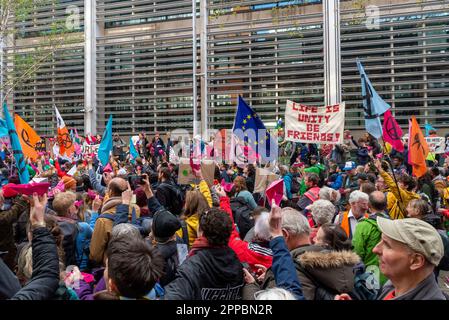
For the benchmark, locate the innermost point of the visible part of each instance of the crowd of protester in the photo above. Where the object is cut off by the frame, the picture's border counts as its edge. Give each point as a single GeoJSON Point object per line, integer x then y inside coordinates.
{"type": "Point", "coordinates": [353, 224]}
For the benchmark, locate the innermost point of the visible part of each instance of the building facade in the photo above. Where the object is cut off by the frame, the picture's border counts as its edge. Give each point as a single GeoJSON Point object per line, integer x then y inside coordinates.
{"type": "Point", "coordinates": [134, 59]}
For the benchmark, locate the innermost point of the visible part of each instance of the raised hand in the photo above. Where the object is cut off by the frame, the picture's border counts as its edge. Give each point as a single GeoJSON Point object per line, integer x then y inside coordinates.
{"type": "Point", "coordinates": [37, 210]}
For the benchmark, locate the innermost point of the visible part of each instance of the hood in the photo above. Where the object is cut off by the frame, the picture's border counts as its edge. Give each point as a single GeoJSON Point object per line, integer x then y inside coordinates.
{"type": "Point", "coordinates": [333, 269]}
{"type": "Point", "coordinates": [222, 266]}
{"type": "Point", "coordinates": [110, 205]}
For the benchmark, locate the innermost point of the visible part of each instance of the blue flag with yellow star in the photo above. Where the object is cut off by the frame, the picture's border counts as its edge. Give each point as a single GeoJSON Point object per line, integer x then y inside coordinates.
{"type": "Point", "coordinates": [250, 128]}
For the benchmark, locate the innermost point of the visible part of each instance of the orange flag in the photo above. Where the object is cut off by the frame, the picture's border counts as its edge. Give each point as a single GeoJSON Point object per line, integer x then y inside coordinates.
{"type": "Point", "coordinates": [66, 146]}
{"type": "Point", "coordinates": [27, 136]}
{"type": "Point", "coordinates": [417, 148]}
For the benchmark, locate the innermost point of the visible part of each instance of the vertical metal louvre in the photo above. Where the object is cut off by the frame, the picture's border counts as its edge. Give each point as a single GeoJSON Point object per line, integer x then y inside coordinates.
{"type": "Point", "coordinates": [406, 59]}
{"type": "Point", "coordinates": [266, 51]}
{"type": "Point", "coordinates": [59, 79]}
{"type": "Point", "coordinates": [144, 65]}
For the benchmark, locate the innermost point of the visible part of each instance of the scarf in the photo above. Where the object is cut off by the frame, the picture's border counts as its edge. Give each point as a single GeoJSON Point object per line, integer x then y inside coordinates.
{"type": "Point", "coordinates": [200, 244]}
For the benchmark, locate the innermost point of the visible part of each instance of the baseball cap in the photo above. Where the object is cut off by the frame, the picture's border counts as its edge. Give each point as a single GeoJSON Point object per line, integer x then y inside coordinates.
{"type": "Point", "coordinates": [349, 165]}
{"type": "Point", "coordinates": [165, 224]}
{"type": "Point", "coordinates": [416, 234]}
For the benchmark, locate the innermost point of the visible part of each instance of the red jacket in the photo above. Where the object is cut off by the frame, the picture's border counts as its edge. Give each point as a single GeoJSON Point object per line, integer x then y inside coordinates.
{"type": "Point", "coordinates": [58, 168]}
{"type": "Point", "coordinates": [250, 253]}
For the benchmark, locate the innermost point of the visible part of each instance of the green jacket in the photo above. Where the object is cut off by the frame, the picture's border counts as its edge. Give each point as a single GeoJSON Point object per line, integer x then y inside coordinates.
{"type": "Point", "coordinates": [317, 168]}
{"type": "Point", "coordinates": [367, 235]}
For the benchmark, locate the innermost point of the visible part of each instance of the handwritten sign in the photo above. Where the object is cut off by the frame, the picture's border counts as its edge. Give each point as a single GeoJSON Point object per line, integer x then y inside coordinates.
{"type": "Point", "coordinates": [311, 124]}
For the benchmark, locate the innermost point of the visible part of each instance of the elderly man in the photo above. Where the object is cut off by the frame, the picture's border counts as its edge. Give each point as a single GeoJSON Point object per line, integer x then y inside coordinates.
{"type": "Point", "coordinates": [409, 251]}
{"type": "Point", "coordinates": [367, 234]}
{"type": "Point", "coordinates": [359, 206]}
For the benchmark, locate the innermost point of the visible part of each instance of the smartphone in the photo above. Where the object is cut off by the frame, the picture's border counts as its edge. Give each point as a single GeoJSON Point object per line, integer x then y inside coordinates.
{"type": "Point", "coordinates": [247, 267]}
{"type": "Point", "coordinates": [133, 199]}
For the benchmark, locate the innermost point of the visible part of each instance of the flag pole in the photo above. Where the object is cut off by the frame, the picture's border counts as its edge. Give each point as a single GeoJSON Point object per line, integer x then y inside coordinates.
{"type": "Point", "coordinates": [394, 176]}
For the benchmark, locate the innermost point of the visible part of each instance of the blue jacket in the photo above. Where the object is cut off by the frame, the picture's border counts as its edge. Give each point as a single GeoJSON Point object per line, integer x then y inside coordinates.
{"type": "Point", "coordinates": [288, 185]}
{"type": "Point", "coordinates": [338, 183]}
{"type": "Point", "coordinates": [95, 183]}
{"type": "Point", "coordinates": [284, 269]}
{"type": "Point", "coordinates": [85, 231]}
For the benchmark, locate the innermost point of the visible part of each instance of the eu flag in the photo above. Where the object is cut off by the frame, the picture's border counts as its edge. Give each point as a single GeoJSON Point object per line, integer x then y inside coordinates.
{"type": "Point", "coordinates": [24, 175]}
{"type": "Point", "coordinates": [250, 128]}
{"type": "Point", "coordinates": [373, 105]}
{"type": "Point", "coordinates": [105, 147]}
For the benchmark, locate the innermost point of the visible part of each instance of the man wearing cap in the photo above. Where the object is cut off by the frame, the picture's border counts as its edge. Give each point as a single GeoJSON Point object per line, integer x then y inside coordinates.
{"type": "Point", "coordinates": [163, 231]}
{"type": "Point", "coordinates": [409, 251]}
{"type": "Point", "coordinates": [350, 181]}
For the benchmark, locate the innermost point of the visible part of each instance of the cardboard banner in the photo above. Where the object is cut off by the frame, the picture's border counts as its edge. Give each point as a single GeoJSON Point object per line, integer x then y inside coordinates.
{"type": "Point", "coordinates": [186, 176]}
{"type": "Point", "coordinates": [436, 145]}
{"type": "Point", "coordinates": [264, 178]}
{"type": "Point", "coordinates": [310, 124]}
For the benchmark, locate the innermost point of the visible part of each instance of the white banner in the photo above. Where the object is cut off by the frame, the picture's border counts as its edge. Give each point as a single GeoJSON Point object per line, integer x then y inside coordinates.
{"type": "Point", "coordinates": [311, 124]}
{"type": "Point", "coordinates": [436, 145]}
{"type": "Point", "coordinates": [88, 149]}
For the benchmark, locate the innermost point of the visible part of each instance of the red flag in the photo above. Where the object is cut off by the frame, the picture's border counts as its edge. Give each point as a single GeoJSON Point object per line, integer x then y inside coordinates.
{"type": "Point", "coordinates": [275, 191]}
{"type": "Point", "coordinates": [392, 132]}
{"type": "Point", "coordinates": [417, 148]}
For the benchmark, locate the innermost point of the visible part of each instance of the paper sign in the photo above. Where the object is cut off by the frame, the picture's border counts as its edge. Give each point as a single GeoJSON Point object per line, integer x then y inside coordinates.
{"type": "Point", "coordinates": [186, 176]}
{"type": "Point", "coordinates": [263, 179]}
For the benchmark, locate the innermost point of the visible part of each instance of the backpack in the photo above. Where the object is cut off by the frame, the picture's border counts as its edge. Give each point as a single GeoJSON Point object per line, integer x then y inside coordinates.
{"type": "Point", "coordinates": [444, 263]}
{"type": "Point", "coordinates": [241, 213]}
{"type": "Point", "coordinates": [141, 223]}
{"type": "Point", "coordinates": [177, 201]}
{"type": "Point", "coordinates": [82, 248]}
{"type": "Point", "coordinates": [366, 283]}
{"type": "Point", "coordinates": [70, 232]}
{"type": "Point", "coordinates": [296, 185]}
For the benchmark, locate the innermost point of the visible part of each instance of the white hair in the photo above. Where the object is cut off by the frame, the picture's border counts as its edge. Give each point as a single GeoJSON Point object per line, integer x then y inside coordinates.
{"type": "Point", "coordinates": [274, 294]}
{"type": "Point", "coordinates": [330, 194]}
{"type": "Point", "coordinates": [357, 195]}
{"type": "Point", "coordinates": [323, 211]}
{"type": "Point", "coordinates": [262, 227]}
{"type": "Point", "coordinates": [295, 222]}
{"type": "Point", "coordinates": [125, 230]}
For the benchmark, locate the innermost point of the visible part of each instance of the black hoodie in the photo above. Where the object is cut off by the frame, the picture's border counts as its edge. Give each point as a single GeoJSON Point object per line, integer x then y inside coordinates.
{"type": "Point", "coordinates": [210, 274]}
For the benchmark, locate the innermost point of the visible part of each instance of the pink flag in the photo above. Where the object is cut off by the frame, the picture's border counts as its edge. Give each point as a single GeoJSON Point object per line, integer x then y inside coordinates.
{"type": "Point", "coordinates": [392, 132]}
{"type": "Point", "coordinates": [275, 191]}
{"type": "Point", "coordinates": [108, 168]}
{"type": "Point", "coordinates": [29, 189]}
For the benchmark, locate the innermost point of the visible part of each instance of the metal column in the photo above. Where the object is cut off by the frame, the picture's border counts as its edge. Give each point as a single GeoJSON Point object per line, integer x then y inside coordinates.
{"type": "Point", "coordinates": [204, 14]}
{"type": "Point", "coordinates": [194, 59]}
{"type": "Point", "coordinates": [90, 72]}
{"type": "Point", "coordinates": [332, 63]}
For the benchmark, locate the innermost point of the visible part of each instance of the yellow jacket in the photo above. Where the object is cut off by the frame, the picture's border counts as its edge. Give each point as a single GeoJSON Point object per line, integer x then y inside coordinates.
{"type": "Point", "coordinates": [397, 209]}
{"type": "Point", "coordinates": [193, 221]}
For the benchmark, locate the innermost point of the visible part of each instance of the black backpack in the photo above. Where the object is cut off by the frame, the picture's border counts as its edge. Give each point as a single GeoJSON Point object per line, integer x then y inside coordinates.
{"type": "Point", "coordinates": [69, 231]}
{"type": "Point", "coordinates": [296, 185]}
{"type": "Point", "coordinates": [242, 215]}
